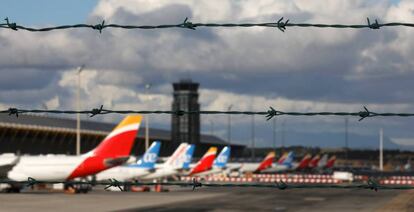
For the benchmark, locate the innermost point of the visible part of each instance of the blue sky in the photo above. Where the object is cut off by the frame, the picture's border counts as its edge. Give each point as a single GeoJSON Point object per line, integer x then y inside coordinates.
{"type": "Point", "coordinates": [40, 12]}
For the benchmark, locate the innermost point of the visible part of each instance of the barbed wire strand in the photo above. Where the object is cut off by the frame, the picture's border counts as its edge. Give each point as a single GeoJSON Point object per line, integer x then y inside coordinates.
{"type": "Point", "coordinates": [280, 24]}
{"type": "Point", "coordinates": [370, 184]}
{"type": "Point", "coordinates": [269, 114]}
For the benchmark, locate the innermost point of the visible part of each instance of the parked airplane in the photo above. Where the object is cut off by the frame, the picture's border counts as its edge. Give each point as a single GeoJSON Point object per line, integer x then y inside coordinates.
{"type": "Point", "coordinates": [253, 167]}
{"type": "Point", "coordinates": [323, 161]}
{"type": "Point", "coordinates": [112, 151]}
{"type": "Point", "coordinates": [314, 162]}
{"type": "Point", "coordinates": [304, 163]}
{"type": "Point", "coordinates": [219, 164]}
{"type": "Point", "coordinates": [172, 166]}
{"type": "Point", "coordinates": [7, 162]}
{"type": "Point", "coordinates": [206, 162]}
{"type": "Point", "coordinates": [144, 166]}
{"type": "Point", "coordinates": [331, 162]}
{"type": "Point", "coordinates": [188, 157]}
{"type": "Point", "coordinates": [284, 163]}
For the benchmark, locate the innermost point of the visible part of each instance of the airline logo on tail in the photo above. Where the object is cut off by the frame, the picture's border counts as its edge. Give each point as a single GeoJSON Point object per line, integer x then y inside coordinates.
{"type": "Point", "coordinates": [323, 161]}
{"type": "Point", "coordinates": [206, 162]}
{"type": "Point", "coordinates": [267, 161]}
{"type": "Point", "coordinates": [288, 160]}
{"type": "Point", "coordinates": [304, 162]}
{"type": "Point", "coordinates": [314, 162]}
{"type": "Point", "coordinates": [149, 158]}
{"type": "Point", "coordinates": [112, 151]}
{"type": "Point", "coordinates": [177, 159]}
{"type": "Point", "coordinates": [222, 158]}
{"type": "Point", "coordinates": [331, 162]}
{"type": "Point", "coordinates": [188, 156]}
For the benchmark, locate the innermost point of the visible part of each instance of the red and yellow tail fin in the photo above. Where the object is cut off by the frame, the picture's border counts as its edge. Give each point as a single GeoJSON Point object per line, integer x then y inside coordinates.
{"type": "Point", "coordinates": [206, 162]}
{"type": "Point", "coordinates": [267, 161]}
{"type": "Point", "coordinates": [120, 141]}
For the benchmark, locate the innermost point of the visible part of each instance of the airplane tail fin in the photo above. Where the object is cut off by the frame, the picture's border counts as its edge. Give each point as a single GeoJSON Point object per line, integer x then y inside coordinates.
{"type": "Point", "coordinates": [150, 156]}
{"type": "Point", "coordinates": [305, 161]}
{"type": "Point", "coordinates": [314, 161]}
{"type": "Point", "coordinates": [288, 160]}
{"type": "Point", "coordinates": [331, 162]}
{"type": "Point", "coordinates": [267, 161]}
{"type": "Point", "coordinates": [206, 162]}
{"type": "Point", "coordinates": [323, 161]}
{"type": "Point", "coordinates": [188, 156]}
{"type": "Point", "coordinates": [283, 158]}
{"type": "Point", "coordinates": [222, 158]}
{"type": "Point", "coordinates": [120, 141]}
{"type": "Point", "coordinates": [176, 160]}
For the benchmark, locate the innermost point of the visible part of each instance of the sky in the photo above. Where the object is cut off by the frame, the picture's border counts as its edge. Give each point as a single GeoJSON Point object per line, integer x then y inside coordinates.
{"type": "Point", "coordinates": [302, 69]}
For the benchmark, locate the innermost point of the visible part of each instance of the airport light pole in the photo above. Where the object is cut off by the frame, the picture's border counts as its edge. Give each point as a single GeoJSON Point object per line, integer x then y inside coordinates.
{"type": "Point", "coordinates": [274, 134]}
{"type": "Point", "coordinates": [381, 147]}
{"type": "Point", "coordinates": [253, 137]}
{"type": "Point", "coordinates": [78, 137]}
{"type": "Point", "coordinates": [346, 140]}
{"type": "Point", "coordinates": [229, 126]}
{"type": "Point", "coordinates": [147, 87]}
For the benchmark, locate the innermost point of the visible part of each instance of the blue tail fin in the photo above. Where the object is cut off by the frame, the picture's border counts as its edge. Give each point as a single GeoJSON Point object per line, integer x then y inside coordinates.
{"type": "Point", "coordinates": [149, 158]}
{"type": "Point", "coordinates": [222, 158]}
{"type": "Point", "coordinates": [289, 159]}
{"type": "Point", "coordinates": [188, 156]}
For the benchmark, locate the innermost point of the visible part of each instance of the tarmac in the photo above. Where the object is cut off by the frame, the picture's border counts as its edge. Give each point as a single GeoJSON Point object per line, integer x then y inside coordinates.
{"type": "Point", "coordinates": [212, 199]}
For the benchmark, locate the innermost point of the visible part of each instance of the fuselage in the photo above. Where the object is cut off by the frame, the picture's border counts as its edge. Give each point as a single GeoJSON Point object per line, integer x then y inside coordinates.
{"type": "Point", "coordinates": [122, 173]}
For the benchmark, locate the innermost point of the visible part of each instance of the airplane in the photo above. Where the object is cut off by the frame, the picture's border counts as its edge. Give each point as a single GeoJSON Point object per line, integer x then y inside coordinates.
{"type": "Point", "coordinates": [205, 163]}
{"type": "Point", "coordinates": [171, 167]}
{"type": "Point", "coordinates": [303, 164]}
{"type": "Point", "coordinates": [114, 150]}
{"type": "Point", "coordinates": [219, 164]}
{"type": "Point", "coordinates": [323, 161]}
{"type": "Point", "coordinates": [285, 163]}
{"type": "Point", "coordinates": [144, 166]}
{"type": "Point", "coordinates": [253, 167]}
{"type": "Point", "coordinates": [331, 162]}
{"type": "Point", "coordinates": [188, 157]}
{"type": "Point", "coordinates": [314, 162]}
{"type": "Point", "coordinates": [7, 162]}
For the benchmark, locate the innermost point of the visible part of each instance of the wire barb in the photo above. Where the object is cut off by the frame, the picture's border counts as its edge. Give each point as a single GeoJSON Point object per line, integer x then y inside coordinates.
{"type": "Point", "coordinates": [30, 182]}
{"type": "Point", "coordinates": [271, 113]}
{"type": "Point", "coordinates": [114, 183]}
{"type": "Point", "coordinates": [374, 25]}
{"type": "Point", "coordinates": [13, 111]}
{"type": "Point", "coordinates": [96, 111]}
{"type": "Point", "coordinates": [281, 185]}
{"type": "Point", "coordinates": [372, 184]}
{"type": "Point", "coordinates": [99, 27]}
{"type": "Point", "coordinates": [366, 114]}
{"type": "Point", "coordinates": [196, 184]}
{"type": "Point", "coordinates": [282, 25]}
{"type": "Point", "coordinates": [187, 24]}
{"type": "Point", "coordinates": [12, 26]}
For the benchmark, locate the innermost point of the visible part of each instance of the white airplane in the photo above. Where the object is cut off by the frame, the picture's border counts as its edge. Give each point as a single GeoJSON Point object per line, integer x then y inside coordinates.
{"type": "Point", "coordinates": [7, 162]}
{"type": "Point", "coordinates": [112, 151]}
{"type": "Point", "coordinates": [145, 165]}
{"type": "Point", "coordinates": [171, 167]}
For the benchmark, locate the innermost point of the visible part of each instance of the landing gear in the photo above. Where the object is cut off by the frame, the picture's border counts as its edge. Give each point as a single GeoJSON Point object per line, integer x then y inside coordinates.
{"type": "Point", "coordinates": [78, 187]}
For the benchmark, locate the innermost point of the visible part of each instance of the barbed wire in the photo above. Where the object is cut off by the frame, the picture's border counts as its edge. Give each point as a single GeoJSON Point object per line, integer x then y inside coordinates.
{"type": "Point", "coordinates": [269, 114]}
{"type": "Point", "coordinates": [280, 24]}
{"type": "Point", "coordinates": [370, 184]}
